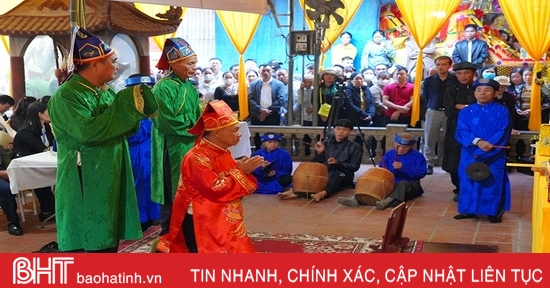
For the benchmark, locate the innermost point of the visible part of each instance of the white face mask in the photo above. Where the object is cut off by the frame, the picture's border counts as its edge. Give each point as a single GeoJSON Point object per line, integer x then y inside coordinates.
{"type": "Point", "coordinates": [228, 81]}
{"type": "Point", "coordinates": [368, 77]}
{"type": "Point", "coordinates": [208, 77]}
{"type": "Point", "coordinates": [384, 82]}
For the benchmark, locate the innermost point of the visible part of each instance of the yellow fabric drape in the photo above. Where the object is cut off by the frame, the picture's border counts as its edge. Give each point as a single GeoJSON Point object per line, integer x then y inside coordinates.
{"type": "Point", "coordinates": [529, 21]}
{"type": "Point", "coordinates": [334, 30]}
{"type": "Point", "coordinates": [424, 19]}
{"type": "Point", "coordinates": [152, 10]}
{"type": "Point", "coordinates": [240, 27]}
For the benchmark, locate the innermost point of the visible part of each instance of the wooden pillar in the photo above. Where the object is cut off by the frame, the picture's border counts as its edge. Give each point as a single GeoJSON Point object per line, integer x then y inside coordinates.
{"type": "Point", "coordinates": [144, 65]}
{"type": "Point", "coordinates": [17, 64]}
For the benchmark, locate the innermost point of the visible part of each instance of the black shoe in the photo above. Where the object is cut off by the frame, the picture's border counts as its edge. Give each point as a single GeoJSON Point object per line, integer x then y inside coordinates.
{"type": "Point", "coordinates": [145, 225]}
{"type": "Point", "coordinates": [494, 219]}
{"type": "Point", "coordinates": [430, 170]}
{"type": "Point", "coordinates": [464, 216]}
{"type": "Point", "coordinates": [15, 229]}
{"type": "Point", "coordinates": [43, 216]}
{"type": "Point", "coordinates": [51, 247]}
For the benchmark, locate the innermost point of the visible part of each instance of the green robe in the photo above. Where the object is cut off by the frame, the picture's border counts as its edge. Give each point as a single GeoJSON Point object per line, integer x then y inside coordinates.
{"type": "Point", "coordinates": [178, 111]}
{"type": "Point", "coordinates": [95, 211]}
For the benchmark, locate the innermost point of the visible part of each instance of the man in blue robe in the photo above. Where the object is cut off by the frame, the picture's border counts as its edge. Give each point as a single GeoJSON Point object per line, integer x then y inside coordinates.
{"type": "Point", "coordinates": [407, 165]}
{"type": "Point", "coordinates": [483, 130]}
{"type": "Point", "coordinates": [275, 174]}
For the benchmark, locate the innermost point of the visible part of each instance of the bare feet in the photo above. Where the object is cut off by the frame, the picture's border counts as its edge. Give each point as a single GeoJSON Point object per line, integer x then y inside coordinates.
{"type": "Point", "coordinates": [319, 196]}
{"type": "Point", "coordinates": [287, 195]}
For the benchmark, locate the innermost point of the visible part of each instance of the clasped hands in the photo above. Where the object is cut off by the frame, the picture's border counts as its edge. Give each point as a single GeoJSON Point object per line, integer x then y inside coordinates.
{"type": "Point", "coordinates": [400, 110]}
{"type": "Point", "coordinates": [264, 112]}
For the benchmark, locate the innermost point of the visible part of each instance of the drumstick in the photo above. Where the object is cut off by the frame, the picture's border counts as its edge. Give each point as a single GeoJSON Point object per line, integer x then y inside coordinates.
{"type": "Point", "coordinates": [502, 147]}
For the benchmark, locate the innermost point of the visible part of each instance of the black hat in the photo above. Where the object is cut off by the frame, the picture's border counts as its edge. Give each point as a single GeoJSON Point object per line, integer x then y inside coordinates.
{"type": "Point", "coordinates": [486, 82]}
{"type": "Point", "coordinates": [478, 171]}
{"type": "Point", "coordinates": [274, 63]}
{"type": "Point", "coordinates": [464, 66]}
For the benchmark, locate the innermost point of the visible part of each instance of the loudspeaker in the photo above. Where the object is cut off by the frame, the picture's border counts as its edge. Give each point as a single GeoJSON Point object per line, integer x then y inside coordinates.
{"type": "Point", "coordinates": [302, 42]}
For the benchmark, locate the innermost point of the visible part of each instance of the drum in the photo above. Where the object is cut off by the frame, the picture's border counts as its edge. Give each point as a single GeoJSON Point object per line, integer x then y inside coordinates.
{"type": "Point", "coordinates": [310, 178]}
{"type": "Point", "coordinates": [374, 185]}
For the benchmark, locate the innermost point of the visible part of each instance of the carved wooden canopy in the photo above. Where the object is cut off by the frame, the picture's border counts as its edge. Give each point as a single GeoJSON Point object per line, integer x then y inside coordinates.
{"type": "Point", "coordinates": [51, 17]}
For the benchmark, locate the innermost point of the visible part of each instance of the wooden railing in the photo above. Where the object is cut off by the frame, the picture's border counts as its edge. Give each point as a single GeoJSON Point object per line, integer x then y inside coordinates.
{"type": "Point", "coordinates": [296, 140]}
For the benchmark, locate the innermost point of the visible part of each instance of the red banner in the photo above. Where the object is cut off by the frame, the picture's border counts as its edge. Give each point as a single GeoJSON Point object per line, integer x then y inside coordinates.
{"type": "Point", "coordinates": [275, 270]}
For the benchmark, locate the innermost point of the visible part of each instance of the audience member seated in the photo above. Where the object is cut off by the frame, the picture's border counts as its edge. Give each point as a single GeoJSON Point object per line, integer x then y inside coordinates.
{"type": "Point", "coordinates": [275, 174]}
{"type": "Point", "coordinates": [33, 138]}
{"type": "Point", "coordinates": [407, 165]}
{"type": "Point", "coordinates": [18, 117]}
{"type": "Point", "coordinates": [342, 157]}
{"type": "Point", "coordinates": [8, 204]}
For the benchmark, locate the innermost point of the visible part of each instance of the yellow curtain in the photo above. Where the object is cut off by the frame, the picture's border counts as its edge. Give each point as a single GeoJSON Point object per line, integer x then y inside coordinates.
{"type": "Point", "coordinates": [240, 27]}
{"type": "Point", "coordinates": [7, 6]}
{"type": "Point", "coordinates": [334, 30]}
{"type": "Point", "coordinates": [424, 19]}
{"type": "Point", "coordinates": [529, 21]}
{"type": "Point", "coordinates": [152, 10]}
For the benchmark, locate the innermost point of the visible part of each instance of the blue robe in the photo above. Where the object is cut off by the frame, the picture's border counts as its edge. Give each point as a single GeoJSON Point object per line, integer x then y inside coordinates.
{"type": "Point", "coordinates": [283, 167]}
{"type": "Point", "coordinates": [490, 122]}
{"type": "Point", "coordinates": [414, 166]}
{"type": "Point", "coordinates": [140, 155]}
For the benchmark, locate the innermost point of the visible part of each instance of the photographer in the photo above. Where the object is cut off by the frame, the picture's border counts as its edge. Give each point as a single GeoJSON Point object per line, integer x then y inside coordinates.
{"type": "Point", "coordinates": [360, 102]}
{"type": "Point", "coordinates": [327, 89]}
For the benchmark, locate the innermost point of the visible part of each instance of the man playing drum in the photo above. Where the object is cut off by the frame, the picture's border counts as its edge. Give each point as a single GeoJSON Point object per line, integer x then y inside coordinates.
{"type": "Point", "coordinates": [407, 165]}
{"type": "Point", "coordinates": [342, 158]}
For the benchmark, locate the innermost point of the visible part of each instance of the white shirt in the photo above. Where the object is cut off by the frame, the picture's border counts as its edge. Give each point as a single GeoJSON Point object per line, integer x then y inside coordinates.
{"type": "Point", "coordinates": [265, 95]}
{"type": "Point", "coordinates": [470, 51]}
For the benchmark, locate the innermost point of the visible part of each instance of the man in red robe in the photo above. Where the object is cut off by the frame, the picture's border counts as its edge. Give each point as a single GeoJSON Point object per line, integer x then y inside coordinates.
{"type": "Point", "coordinates": [207, 213]}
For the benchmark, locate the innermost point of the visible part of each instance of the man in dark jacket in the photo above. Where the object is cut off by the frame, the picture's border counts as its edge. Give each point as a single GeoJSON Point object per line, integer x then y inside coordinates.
{"type": "Point", "coordinates": [265, 98]}
{"type": "Point", "coordinates": [456, 98]}
{"type": "Point", "coordinates": [342, 157]}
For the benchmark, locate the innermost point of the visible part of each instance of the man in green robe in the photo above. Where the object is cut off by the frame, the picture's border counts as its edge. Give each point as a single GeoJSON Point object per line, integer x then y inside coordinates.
{"type": "Point", "coordinates": [95, 194]}
{"type": "Point", "coordinates": [178, 111]}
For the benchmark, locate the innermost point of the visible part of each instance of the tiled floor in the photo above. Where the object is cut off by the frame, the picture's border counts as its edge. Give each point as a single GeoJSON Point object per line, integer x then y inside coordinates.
{"type": "Point", "coordinates": [430, 218]}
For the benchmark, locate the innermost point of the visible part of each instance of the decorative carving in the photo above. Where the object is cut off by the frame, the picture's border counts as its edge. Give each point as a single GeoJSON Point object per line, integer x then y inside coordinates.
{"type": "Point", "coordinates": [174, 13]}
{"type": "Point", "coordinates": [53, 5]}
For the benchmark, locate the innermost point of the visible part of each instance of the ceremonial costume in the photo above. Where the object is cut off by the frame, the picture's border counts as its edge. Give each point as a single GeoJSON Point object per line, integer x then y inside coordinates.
{"type": "Point", "coordinates": [282, 165]}
{"type": "Point", "coordinates": [178, 111]}
{"type": "Point", "coordinates": [211, 187]}
{"type": "Point", "coordinates": [140, 155]}
{"type": "Point", "coordinates": [407, 179]}
{"type": "Point", "coordinates": [488, 122]}
{"type": "Point", "coordinates": [96, 200]}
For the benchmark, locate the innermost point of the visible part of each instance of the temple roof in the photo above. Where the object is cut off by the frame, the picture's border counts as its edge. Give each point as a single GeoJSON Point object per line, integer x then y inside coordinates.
{"type": "Point", "coordinates": [51, 17]}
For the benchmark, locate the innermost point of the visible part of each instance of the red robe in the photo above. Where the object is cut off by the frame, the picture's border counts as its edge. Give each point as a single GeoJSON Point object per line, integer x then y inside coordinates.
{"type": "Point", "coordinates": [210, 180]}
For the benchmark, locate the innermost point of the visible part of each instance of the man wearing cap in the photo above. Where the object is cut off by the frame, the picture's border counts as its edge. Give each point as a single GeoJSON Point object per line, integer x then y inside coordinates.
{"type": "Point", "coordinates": [265, 98]}
{"type": "Point", "coordinates": [275, 174]}
{"type": "Point", "coordinates": [96, 199]}
{"type": "Point", "coordinates": [327, 90]}
{"type": "Point", "coordinates": [275, 65]}
{"type": "Point", "coordinates": [408, 167]}
{"type": "Point", "coordinates": [179, 109]}
{"type": "Point", "coordinates": [456, 98]}
{"type": "Point", "coordinates": [208, 213]}
{"type": "Point", "coordinates": [483, 131]}
{"type": "Point", "coordinates": [342, 157]}
{"type": "Point", "coordinates": [433, 92]}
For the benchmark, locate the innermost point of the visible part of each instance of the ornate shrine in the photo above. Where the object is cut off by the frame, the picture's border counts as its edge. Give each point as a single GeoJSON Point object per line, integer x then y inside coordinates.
{"type": "Point", "coordinates": [104, 18]}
